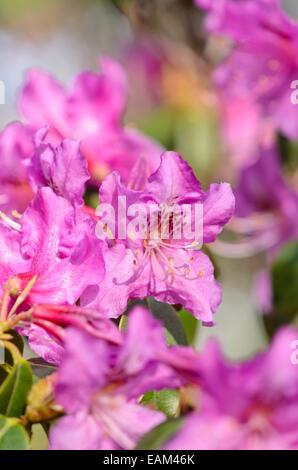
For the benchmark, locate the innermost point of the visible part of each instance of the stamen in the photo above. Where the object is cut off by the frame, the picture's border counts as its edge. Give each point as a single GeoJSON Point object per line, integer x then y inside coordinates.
{"type": "Point", "coordinates": [167, 269]}
{"type": "Point", "coordinates": [4, 305]}
{"type": "Point", "coordinates": [23, 295]}
{"type": "Point", "coordinates": [171, 269]}
{"type": "Point", "coordinates": [9, 222]}
{"type": "Point", "coordinates": [135, 271]}
{"type": "Point", "coordinates": [191, 246]}
{"type": "Point", "coordinates": [16, 214]}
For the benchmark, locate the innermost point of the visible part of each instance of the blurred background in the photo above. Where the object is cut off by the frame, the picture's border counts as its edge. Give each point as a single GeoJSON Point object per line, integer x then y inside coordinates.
{"type": "Point", "coordinates": [163, 49]}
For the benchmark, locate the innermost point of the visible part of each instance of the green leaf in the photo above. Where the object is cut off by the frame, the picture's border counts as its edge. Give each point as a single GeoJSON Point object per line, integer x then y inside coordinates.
{"type": "Point", "coordinates": [170, 319]}
{"type": "Point", "coordinates": [284, 278]}
{"type": "Point", "coordinates": [123, 324]}
{"type": "Point", "coordinates": [190, 325]}
{"type": "Point", "coordinates": [15, 388]}
{"type": "Point", "coordinates": [3, 371]}
{"type": "Point", "coordinates": [155, 439]}
{"type": "Point", "coordinates": [13, 435]}
{"type": "Point", "coordinates": [288, 153]}
{"type": "Point", "coordinates": [284, 275]}
{"type": "Point", "coordinates": [167, 401]}
{"type": "Point", "coordinates": [91, 198]}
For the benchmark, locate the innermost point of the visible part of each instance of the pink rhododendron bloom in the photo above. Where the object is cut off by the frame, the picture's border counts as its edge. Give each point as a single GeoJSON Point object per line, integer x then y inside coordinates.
{"type": "Point", "coordinates": [144, 60]}
{"type": "Point", "coordinates": [101, 399]}
{"type": "Point", "coordinates": [170, 270]}
{"type": "Point", "coordinates": [51, 241]}
{"type": "Point", "coordinates": [50, 253]}
{"type": "Point", "coordinates": [261, 66]}
{"type": "Point", "coordinates": [223, 16]}
{"type": "Point", "coordinates": [15, 146]}
{"type": "Point", "coordinates": [64, 169]}
{"type": "Point", "coordinates": [91, 112]}
{"type": "Point", "coordinates": [267, 202]}
{"type": "Point", "coordinates": [244, 137]}
{"type": "Point", "coordinates": [249, 406]}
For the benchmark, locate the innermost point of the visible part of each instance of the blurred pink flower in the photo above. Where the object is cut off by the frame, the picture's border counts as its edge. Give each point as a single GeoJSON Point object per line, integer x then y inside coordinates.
{"type": "Point", "coordinates": [255, 78]}
{"type": "Point", "coordinates": [267, 202]}
{"type": "Point", "coordinates": [15, 146]}
{"type": "Point", "coordinates": [249, 406]}
{"type": "Point", "coordinates": [91, 112]}
{"type": "Point", "coordinates": [63, 169]}
{"type": "Point", "coordinates": [101, 399]}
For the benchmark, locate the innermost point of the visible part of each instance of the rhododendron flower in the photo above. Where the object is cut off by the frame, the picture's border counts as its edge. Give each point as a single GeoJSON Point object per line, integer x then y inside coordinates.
{"type": "Point", "coordinates": [45, 325]}
{"type": "Point", "coordinates": [51, 241]}
{"type": "Point", "coordinates": [244, 138]}
{"type": "Point", "coordinates": [267, 202]}
{"type": "Point", "coordinates": [63, 169]}
{"type": "Point", "coordinates": [101, 399]}
{"type": "Point", "coordinates": [223, 16]}
{"type": "Point", "coordinates": [248, 406]}
{"type": "Point", "coordinates": [15, 147]}
{"type": "Point", "coordinates": [91, 112]}
{"type": "Point", "coordinates": [262, 64]}
{"type": "Point", "coordinates": [144, 60]}
{"type": "Point", "coordinates": [171, 270]}
{"type": "Point", "coordinates": [50, 254]}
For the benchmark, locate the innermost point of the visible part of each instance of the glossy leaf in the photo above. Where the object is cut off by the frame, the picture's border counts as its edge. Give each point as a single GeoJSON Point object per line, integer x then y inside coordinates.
{"type": "Point", "coordinates": [284, 275]}
{"type": "Point", "coordinates": [15, 388]}
{"type": "Point", "coordinates": [170, 319]}
{"type": "Point", "coordinates": [13, 435]}
{"type": "Point", "coordinates": [190, 325]}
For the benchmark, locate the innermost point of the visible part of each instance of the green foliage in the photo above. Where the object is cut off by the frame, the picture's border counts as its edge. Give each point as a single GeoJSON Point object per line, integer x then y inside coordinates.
{"type": "Point", "coordinates": [289, 153]}
{"type": "Point", "coordinates": [190, 325]}
{"type": "Point", "coordinates": [123, 323]}
{"type": "Point", "coordinates": [15, 388]}
{"type": "Point", "coordinates": [166, 401]}
{"type": "Point", "coordinates": [17, 340]}
{"type": "Point", "coordinates": [13, 435]}
{"type": "Point", "coordinates": [159, 435]}
{"type": "Point", "coordinates": [284, 275]}
{"type": "Point", "coordinates": [170, 319]}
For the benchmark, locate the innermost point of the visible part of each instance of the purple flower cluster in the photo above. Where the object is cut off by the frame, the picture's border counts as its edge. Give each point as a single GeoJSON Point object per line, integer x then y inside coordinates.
{"type": "Point", "coordinates": [60, 283]}
{"type": "Point", "coordinates": [102, 399]}
{"type": "Point", "coordinates": [256, 80]}
{"type": "Point", "coordinates": [248, 406]}
{"type": "Point", "coordinates": [80, 291]}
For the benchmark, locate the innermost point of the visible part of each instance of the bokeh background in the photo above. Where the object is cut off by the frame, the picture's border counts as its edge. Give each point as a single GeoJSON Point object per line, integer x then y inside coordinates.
{"type": "Point", "coordinates": [162, 46]}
